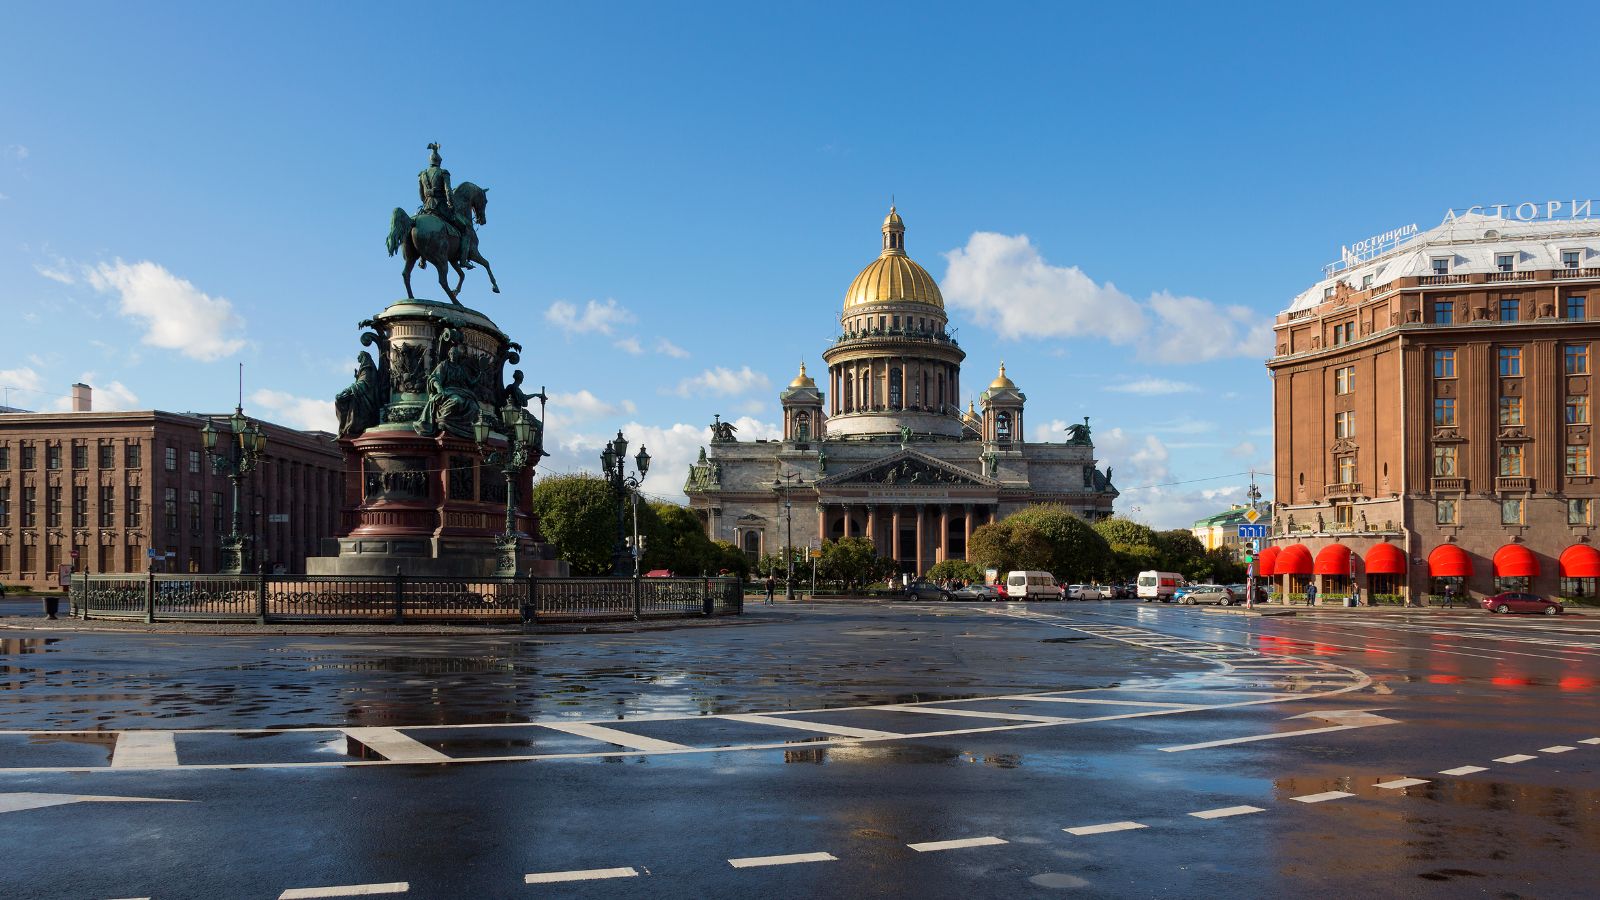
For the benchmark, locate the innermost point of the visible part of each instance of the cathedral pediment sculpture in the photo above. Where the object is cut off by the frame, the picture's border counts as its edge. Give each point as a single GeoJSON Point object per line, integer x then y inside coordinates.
{"type": "Point", "coordinates": [909, 471]}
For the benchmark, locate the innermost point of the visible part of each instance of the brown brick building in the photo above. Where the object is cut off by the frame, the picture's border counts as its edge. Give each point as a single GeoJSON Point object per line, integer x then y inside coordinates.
{"type": "Point", "coordinates": [115, 485]}
{"type": "Point", "coordinates": [1436, 398]}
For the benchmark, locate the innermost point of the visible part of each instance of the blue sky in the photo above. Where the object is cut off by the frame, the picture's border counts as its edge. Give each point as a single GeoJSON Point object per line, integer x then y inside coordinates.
{"type": "Point", "coordinates": [680, 194]}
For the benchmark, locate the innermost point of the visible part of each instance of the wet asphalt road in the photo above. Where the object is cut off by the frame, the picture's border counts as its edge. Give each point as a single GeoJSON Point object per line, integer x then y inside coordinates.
{"type": "Point", "coordinates": [1034, 719]}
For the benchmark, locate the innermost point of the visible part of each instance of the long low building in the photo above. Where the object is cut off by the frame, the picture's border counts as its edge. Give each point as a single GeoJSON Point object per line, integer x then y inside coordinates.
{"type": "Point", "coordinates": [1431, 406]}
{"type": "Point", "coordinates": [102, 490]}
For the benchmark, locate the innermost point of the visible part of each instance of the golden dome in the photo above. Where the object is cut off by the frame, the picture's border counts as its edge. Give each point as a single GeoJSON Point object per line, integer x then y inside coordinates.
{"type": "Point", "coordinates": [1001, 381]}
{"type": "Point", "coordinates": [803, 380]}
{"type": "Point", "coordinates": [893, 277]}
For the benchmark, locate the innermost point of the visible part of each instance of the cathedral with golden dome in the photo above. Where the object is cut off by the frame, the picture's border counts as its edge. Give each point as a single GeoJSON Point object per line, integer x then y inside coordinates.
{"type": "Point", "coordinates": [884, 450]}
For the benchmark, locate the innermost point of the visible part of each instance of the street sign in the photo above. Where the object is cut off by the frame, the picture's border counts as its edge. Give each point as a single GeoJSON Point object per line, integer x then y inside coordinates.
{"type": "Point", "coordinates": [151, 553]}
{"type": "Point", "coordinates": [1252, 531]}
{"type": "Point", "coordinates": [816, 554]}
{"type": "Point", "coordinates": [278, 519]}
{"type": "Point", "coordinates": [1250, 515]}
{"type": "Point", "coordinates": [73, 554]}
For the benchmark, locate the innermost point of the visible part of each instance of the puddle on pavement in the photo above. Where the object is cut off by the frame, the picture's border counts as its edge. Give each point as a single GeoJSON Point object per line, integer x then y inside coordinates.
{"type": "Point", "coordinates": [9, 646]}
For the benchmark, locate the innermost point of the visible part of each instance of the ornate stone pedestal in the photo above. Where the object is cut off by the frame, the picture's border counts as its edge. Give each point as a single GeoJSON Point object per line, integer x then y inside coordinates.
{"type": "Point", "coordinates": [419, 497]}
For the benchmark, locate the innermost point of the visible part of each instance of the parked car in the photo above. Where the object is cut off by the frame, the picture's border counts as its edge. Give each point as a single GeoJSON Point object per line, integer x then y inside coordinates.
{"type": "Point", "coordinates": [984, 592]}
{"type": "Point", "coordinates": [927, 590]}
{"type": "Point", "coordinates": [1241, 590]}
{"type": "Point", "coordinates": [1177, 594]}
{"type": "Point", "coordinates": [1517, 602]}
{"type": "Point", "coordinates": [1207, 593]}
{"type": "Point", "coordinates": [1082, 592]}
{"type": "Point", "coordinates": [1158, 585]}
{"type": "Point", "coordinates": [1032, 586]}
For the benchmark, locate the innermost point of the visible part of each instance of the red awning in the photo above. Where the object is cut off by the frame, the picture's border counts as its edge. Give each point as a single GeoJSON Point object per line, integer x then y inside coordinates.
{"type": "Point", "coordinates": [1386, 559]}
{"type": "Point", "coordinates": [1264, 562]}
{"type": "Point", "coordinates": [1294, 559]}
{"type": "Point", "coordinates": [1580, 561]}
{"type": "Point", "coordinates": [1333, 559]}
{"type": "Point", "coordinates": [1515, 561]}
{"type": "Point", "coordinates": [1449, 561]}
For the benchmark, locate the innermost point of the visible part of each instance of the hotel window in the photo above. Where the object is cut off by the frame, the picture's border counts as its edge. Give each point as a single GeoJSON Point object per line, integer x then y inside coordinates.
{"type": "Point", "coordinates": [1510, 410]}
{"type": "Point", "coordinates": [169, 508]}
{"type": "Point", "coordinates": [1575, 308]}
{"type": "Point", "coordinates": [1344, 333]}
{"type": "Point", "coordinates": [5, 507]}
{"type": "Point", "coordinates": [1578, 409]}
{"type": "Point", "coordinates": [195, 513]}
{"type": "Point", "coordinates": [52, 507]}
{"type": "Point", "coordinates": [1444, 412]}
{"type": "Point", "coordinates": [1445, 512]}
{"type": "Point", "coordinates": [1327, 292]}
{"type": "Point", "coordinates": [1510, 361]}
{"type": "Point", "coordinates": [1511, 512]}
{"type": "Point", "coordinates": [1571, 258]}
{"type": "Point", "coordinates": [80, 456]}
{"type": "Point", "coordinates": [80, 506]}
{"type": "Point", "coordinates": [194, 462]}
{"type": "Point", "coordinates": [5, 458]}
{"type": "Point", "coordinates": [132, 457]}
{"type": "Point", "coordinates": [1510, 310]}
{"type": "Point", "coordinates": [30, 458]}
{"type": "Point", "coordinates": [108, 455]}
{"type": "Point", "coordinates": [52, 457]}
{"type": "Point", "coordinates": [133, 516]}
{"type": "Point", "coordinates": [30, 507]}
{"type": "Point", "coordinates": [1347, 470]}
{"type": "Point", "coordinates": [25, 557]}
{"type": "Point", "coordinates": [1366, 282]}
{"type": "Point", "coordinates": [1444, 461]}
{"type": "Point", "coordinates": [1443, 311]}
{"type": "Point", "coordinates": [172, 459]}
{"type": "Point", "coordinates": [1444, 364]}
{"type": "Point", "coordinates": [1578, 511]}
{"type": "Point", "coordinates": [1577, 459]}
{"type": "Point", "coordinates": [216, 512]}
{"type": "Point", "coordinates": [1344, 515]}
{"type": "Point", "coordinates": [1577, 358]}
{"type": "Point", "coordinates": [1505, 262]}
{"type": "Point", "coordinates": [1344, 424]}
{"type": "Point", "coordinates": [108, 506]}
{"type": "Point", "coordinates": [1510, 460]}
{"type": "Point", "coordinates": [1441, 265]}
{"type": "Point", "coordinates": [1344, 379]}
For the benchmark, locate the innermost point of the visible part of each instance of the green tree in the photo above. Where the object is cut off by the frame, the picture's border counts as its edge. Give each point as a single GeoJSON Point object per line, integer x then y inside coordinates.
{"type": "Point", "coordinates": [729, 560]}
{"type": "Point", "coordinates": [956, 569]}
{"type": "Point", "coordinates": [853, 561]}
{"type": "Point", "coordinates": [1133, 547]}
{"type": "Point", "coordinates": [1072, 549]}
{"type": "Point", "coordinates": [1179, 551]}
{"type": "Point", "coordinates": [676, 541]}
{"type": "Point", "coordinates": [577, 513]}
{"type": "Point", "coordinates": [990, 547]}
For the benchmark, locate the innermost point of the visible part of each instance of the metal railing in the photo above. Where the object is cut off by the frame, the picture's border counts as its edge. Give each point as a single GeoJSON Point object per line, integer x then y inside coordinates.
{"type": "Point", "coordinates": [398, 599]}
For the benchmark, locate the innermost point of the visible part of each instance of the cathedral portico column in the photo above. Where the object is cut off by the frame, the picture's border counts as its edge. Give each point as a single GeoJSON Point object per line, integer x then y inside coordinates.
{"type": "Point", "coordinates": [822, 523]}
{"type": "Point", "coordinates": [944, 534]}
{"type": "Point", "coordinates": [847, 520]}
{"type": "Point", "coordinates": [894, 537]}
{"type": "Point", "coordinates": [920, 541]}
{"type": "Point", "coordinates": [872, 525]}
{"type": "Point", "coordinates": [966, 531]}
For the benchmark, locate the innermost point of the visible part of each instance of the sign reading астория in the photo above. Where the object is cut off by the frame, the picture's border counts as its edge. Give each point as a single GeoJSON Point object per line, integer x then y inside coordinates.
{"type": "Point", "coordinates": [1526, 212]}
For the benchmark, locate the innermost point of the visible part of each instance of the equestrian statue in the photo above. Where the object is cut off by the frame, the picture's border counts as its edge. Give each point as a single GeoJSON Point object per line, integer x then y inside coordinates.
{"type": "Point", "coordinates": [442, 231]}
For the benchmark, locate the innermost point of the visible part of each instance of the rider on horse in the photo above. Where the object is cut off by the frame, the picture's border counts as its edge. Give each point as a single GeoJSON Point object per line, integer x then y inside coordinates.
{"type": "Point", "coordinates": [433, 184]}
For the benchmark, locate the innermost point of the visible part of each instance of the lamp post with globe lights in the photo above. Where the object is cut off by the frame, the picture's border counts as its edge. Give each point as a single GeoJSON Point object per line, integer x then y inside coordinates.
{"type": "Point", "coordinates": [245, 444]}
{"type": "Point", "coordinates": [613, 459]}
{"type": "Point", "coordinates": [524, 448]}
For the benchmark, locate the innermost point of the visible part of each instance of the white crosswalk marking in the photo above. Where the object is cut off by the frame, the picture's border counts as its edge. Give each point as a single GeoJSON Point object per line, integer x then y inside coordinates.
{"type": "Point", "coordinates": [579, 875]}
{"type": "Point", "coordinates": [346, 890]}
{"type": "Point", "coordinates": [144, 750]}
{"type": "Point", "coordinates": [1107, 828]}
{"type": "Point", "coordinates": [1515, 758]}
{"type": "Point", "coordinates": [836, 730]}
{"type": "Point", "coordinates": [751, 862]}
{"type": "Point", "coordinates": [1323, 797]}
{"type": "Point", "coordinates": [959, 844]}
{"type": "Point", "coordinates": [1463, 770]}
{"type": "Point", "coordinates": [613, 736]}
{"type": "Point", "coordinates": [1226, 812]}
{"type": "Point", "coordinates": [1401, 783]}
{"type": "Point", "coordinates": [391, 744]}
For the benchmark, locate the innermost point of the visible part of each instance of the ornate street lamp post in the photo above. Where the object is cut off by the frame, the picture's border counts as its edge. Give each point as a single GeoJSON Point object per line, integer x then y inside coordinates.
{"type": "Point", "coordinates": [781, 484]}
{"type": "Point", "coordinates": [245, 445]}
{"type": "Point", "coordinates": [612, 461]}
{"type": "Point", "coordinates": [524, 447]}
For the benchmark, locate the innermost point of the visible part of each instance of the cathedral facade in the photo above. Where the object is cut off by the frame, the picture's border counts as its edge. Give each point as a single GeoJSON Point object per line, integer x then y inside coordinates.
{"type": "Point", "coordinates": [886, 452]}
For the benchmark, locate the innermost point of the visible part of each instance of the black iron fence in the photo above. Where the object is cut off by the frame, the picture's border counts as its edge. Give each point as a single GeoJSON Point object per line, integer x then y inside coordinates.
{"type": "Point", "coordinates": [398, 599]}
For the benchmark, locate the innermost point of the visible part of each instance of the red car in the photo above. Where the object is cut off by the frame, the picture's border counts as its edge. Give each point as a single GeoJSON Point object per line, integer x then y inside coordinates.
{"type": "Point", "coordinates": [1517, 602]}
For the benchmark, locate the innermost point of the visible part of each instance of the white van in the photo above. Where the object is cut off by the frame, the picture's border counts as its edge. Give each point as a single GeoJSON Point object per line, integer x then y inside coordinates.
{"type": "Point", "coordinates": [1032, 586]}
{"type": "Point", "coordinates": [1159, 585]}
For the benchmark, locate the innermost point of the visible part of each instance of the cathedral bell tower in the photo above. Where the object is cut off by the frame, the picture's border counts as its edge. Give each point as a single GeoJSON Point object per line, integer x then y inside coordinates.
{"type": "Point", "coordinates": [803, 420]}
{"type": "Point", "coordinates": [1002, 412]}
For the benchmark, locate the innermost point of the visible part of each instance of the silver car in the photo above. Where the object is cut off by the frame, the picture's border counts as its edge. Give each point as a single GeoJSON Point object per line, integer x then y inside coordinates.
{"type": "Point", "coordinates": [984, 592]}
{"type": "Point", "coordinates": [1208, 593]}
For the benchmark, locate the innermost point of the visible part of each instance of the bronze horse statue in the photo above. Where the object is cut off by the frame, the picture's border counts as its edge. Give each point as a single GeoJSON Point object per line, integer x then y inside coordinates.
{"type": "Point", "coordinates": [430, 239]}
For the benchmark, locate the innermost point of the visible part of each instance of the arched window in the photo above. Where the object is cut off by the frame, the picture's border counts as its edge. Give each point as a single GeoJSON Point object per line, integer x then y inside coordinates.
{"type": "Point", "coordinates": [802, 426]}
{"type": "Point", "coordinates": [894, 387]}
{"type": "Point", "coordinates": [752, 545]}
{"type": "Point", "coordinates": [1002, 428]}
{"type": "Point", "coordinates": [849, 392]}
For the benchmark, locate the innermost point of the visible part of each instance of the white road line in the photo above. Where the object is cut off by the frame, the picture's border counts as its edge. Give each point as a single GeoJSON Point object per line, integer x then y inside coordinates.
{"type": "Point", "coordinates": [1029, 697]}
{"type": "Point", "coordinates": [1323, 797]}
{"type": "Point", "coordinates": [961, 843]}
{"type": "Point", "coordinates": [1107, 828]}
{"type": "Point", "coordinates": [1590, 741]}
{"type": "Point", "coordinates": [1559, 748]}
{"type": "Point", "coordinates": [1401, 783]}
{"type": "Point", "coordinates": [346, 890]}
{"type": "Point", "coordinates": [1463, 770]}
{"type": "Point", "coordinates": [579, 875]}
{"type": "Point", "coordinates": [392, 745]}
{"type": "Point", "coordinates": [837, 730]}
{"type": "Point", "coordinates": [1226, 811]}
{"type": "Point", "coordinates": [750, 862]}
{"type": "Point", "coordinates": [978, 714]}
{"type": "Point", "coordinates": [1515, 758]}
{"type": "Point", "coordinates": [144, 749]}
{"type": "Point", "coordinates": [613, 736]}
{"type": "Point", "coordinates": [1258, 737]}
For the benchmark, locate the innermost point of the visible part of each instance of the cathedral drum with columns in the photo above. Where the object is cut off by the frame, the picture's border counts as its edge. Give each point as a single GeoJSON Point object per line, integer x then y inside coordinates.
{"type": "Point", "coordinates": [886, 452]}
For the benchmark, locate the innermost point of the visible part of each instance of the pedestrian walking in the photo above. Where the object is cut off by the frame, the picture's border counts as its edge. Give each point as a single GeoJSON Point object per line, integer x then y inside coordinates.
{"type": "Point", "coordinates": [1355, 595]}
{"type": "Point", "coordinates": [1311, 594]}
{"type": "Point", "coordinates": [772, 587]}
{"type": "Point", "coordinates": [1449, 596]}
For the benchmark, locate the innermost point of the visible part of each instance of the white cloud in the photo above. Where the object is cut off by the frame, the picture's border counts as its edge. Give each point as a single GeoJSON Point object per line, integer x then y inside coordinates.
{"type": "Point", "coordinates": [724, 381]}
{"type": "Point", "coordinates": [22, 379]}
{"type": "Point", "coordinates": [629, 345]}
{"type": "Point", "coordinates": [176, 314]}
{"type": "Point", "coordinates": [108, 396]}
{"type": "Point", "coordinates": [1142, 470]}
{"type": "Point", "coordinates": [1152, 387]}
{"type": "Point", "coordinates": [668, 348]}
{"type": "Point", "coordinates": [1007, 285]}
{"type": "Point", "coordinates": [581, 406]}
{"type": "Point", "coordinates": [17, 152]}
{"type": "Point", "coordinates": [1243, 450]}
{"type": "Point", "coordinates": [284, 408]}
{"type": "Point", "coordinates": [596, 317]}
{"type": "Point", "coordinates": [56, 272]}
